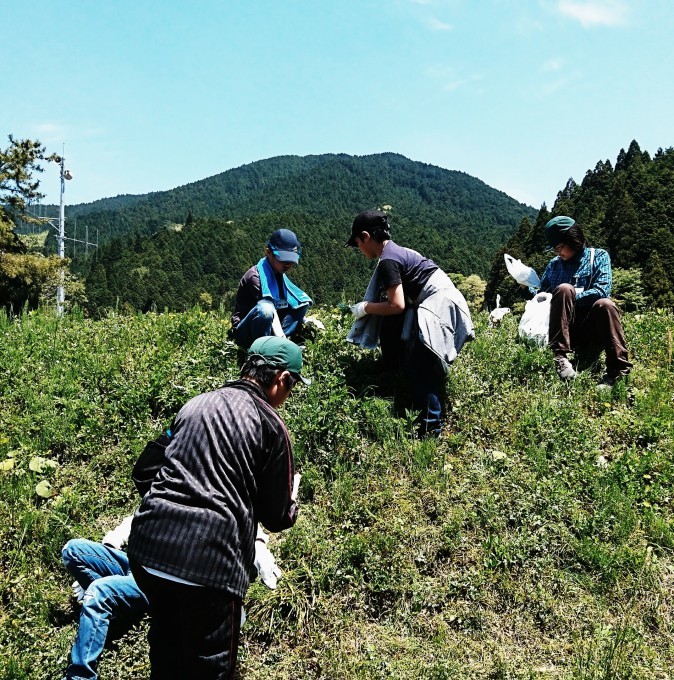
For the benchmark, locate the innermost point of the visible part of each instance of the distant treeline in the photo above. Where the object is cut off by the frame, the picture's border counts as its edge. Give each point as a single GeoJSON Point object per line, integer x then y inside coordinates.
{"type": "Point", "coordinates": [627, 209]}
{"type": "Point", "coordinates": [191, 245]}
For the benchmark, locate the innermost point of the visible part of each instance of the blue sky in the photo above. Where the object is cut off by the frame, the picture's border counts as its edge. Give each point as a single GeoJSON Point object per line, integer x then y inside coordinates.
{"type": "Point", "coordinates": [150, 95]}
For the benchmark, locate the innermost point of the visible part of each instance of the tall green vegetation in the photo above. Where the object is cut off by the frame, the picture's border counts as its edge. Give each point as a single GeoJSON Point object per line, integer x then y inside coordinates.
{"type": "Point", "coordinates": [627, 209]}
{"type": "Point", "coordinates": [24, 276]}
{"type": "Point", "coordinates": [167, 250]}
{"type": "Point", "coordinates": [534, 539]}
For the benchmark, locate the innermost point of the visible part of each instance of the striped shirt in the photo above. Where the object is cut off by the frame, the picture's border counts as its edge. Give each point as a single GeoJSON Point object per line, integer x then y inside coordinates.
{"type": "Point", "coordinates": [594, 278]}
{"type": "Point", "coordinates": [229, 466]}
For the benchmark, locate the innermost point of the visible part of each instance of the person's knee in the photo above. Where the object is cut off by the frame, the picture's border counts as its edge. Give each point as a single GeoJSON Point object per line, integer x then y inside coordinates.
{"type": "Point", "coordinates": [99, 596]}
{"type": "Point", "coordinates": [70, 552]}
{"type": "Point", "coordinates": [564, 290]}
{"type": "Point", "coordinates": [266, 310]}
{"type": "Point", "coordinates": [605, 306]}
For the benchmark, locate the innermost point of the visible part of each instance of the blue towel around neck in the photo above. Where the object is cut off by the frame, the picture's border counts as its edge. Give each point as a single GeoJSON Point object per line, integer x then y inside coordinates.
{"type": "Point", "coordinates": [295, 296]}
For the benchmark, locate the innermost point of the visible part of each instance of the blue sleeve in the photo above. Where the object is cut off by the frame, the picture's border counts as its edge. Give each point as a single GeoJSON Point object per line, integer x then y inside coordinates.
{"type": "Point", "coordinates": [546, 286]}
{"type": "Point", "coordinates": [601, 279]}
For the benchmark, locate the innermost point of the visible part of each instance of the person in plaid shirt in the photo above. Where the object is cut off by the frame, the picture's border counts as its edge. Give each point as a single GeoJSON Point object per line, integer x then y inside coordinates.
{"type": "Point", "coordinates": [581, 312]}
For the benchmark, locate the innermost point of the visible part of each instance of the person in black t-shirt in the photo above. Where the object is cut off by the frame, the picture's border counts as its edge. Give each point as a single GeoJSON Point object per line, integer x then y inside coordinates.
{"type": "Point", "coordinates": [439, 321]}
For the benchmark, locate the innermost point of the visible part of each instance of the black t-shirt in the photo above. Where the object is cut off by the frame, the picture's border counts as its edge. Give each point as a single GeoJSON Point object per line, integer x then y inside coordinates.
{"type": "Point", "coordinates": [398, 265]}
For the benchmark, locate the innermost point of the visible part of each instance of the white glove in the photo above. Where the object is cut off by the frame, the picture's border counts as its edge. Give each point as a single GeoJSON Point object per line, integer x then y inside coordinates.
{"type": "Point", "coordinates": [358, 310]}
{"type": "Point", "coordinates": [265, 563]}
{"type": "Point", "coordinates": [78, 592]}
{"type": "Point", "coordinates": [276, 327]}
{"type": "Point", "coordinates": [296, 487]}
{"type": "Point", "coordinates": [119, 535]}
{"type": "Point", "coordinates": [316, 323]}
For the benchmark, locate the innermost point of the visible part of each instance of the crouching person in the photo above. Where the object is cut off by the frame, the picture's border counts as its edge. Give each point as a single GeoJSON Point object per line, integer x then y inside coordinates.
{"type": "Point", "coordinates": [110, 597]}
{"type": "Point", "coordinates": [228, 465]}
{"type": "Point", "coordinates": [108, 592]}
{"type": "Point", "coordinates": [581, 311]}
{"type": "Point", "coordinates": [267, 301]}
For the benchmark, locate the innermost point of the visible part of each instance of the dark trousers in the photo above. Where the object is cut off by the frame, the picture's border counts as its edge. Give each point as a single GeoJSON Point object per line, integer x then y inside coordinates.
{"type": "Point", "coordinates": [424, 373]}
{"type": "Point", "coordinates": [573, 326]}
{"type": "Point", "coordinates": [194, 631]}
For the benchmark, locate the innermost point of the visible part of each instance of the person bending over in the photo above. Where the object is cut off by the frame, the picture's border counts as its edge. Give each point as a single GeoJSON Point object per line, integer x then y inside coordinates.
{"type": "Point", "coordinates": [267, 302]}
{"type": "Point", "coordinates": [420, 318]}
{"type": "Point", "coordinates": [229, 465]}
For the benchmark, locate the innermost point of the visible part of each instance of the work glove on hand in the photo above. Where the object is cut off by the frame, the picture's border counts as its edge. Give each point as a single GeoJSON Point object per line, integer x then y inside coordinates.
{"type": "Point", "coordinates": [266, 566]}
{"type": "Point", "coordinates": [296, 487]}
{"type": "Point", "coordinates": [78, 591]}
{"type": "Point", "coordinates": [358, 310]}
{"type": "Point", "coordinates": [265, 563]}
{"type": "Point", "coordinates": [119, 535]}
{"type": "Point", "coordinates": [312, 321]}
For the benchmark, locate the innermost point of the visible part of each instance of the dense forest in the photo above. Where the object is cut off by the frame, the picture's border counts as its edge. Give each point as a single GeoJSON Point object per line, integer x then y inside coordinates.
{"type": "Point", "coordinates": [191, 245]}
{"type": "Point", "coordinates": [628, 209]}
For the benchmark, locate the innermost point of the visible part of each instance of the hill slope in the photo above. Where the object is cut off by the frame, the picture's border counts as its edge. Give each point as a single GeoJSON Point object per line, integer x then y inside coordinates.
{"type": "Point", "coordinates": [450, 216]}
{"type": "Point", "coordinates": [535, 539]}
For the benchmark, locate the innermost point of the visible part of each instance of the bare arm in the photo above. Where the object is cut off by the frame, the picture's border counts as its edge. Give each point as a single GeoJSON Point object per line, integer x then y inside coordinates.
{"type": "Point", "coordinates": [395, 303]}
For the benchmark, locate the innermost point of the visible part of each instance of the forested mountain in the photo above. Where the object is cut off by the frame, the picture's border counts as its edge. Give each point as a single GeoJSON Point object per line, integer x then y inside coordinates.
{"type": "Point", "coordinates": [627, 209]}
{"type": "Point", "coordinates": [175, 248]}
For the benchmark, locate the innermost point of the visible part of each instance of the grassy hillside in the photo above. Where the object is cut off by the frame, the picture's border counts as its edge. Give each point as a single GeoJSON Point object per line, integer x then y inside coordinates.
{"type": "Point", "coordinates": [535, 539]}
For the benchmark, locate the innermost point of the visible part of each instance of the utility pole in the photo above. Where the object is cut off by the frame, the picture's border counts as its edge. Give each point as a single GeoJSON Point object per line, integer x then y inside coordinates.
{"type": "Point", "coordinates": [60, 291]}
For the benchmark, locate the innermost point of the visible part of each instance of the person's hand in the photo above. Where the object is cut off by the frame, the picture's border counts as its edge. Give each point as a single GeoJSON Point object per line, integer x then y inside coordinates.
{"type": "Point", "coordinates": [266, 566]}
{"type": "Point", "coordinates": [312, 321]}
{"type": "Point", "coordinates": [358, 310]}
{"type": "Point", "coordinates": [119, 535]}
{"type": "Point", "coordinates": [296, 486]}
{"type": "Point", "coordinates": [78, 591]}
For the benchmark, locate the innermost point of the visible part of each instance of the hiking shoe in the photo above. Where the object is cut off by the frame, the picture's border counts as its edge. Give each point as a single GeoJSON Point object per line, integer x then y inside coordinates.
{"type": "Point", "coordinates": [564, 368]}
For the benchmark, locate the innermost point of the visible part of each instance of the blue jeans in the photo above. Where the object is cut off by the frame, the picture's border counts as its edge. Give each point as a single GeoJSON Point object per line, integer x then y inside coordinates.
{"type": "Point", "coordinates": [110, 593]}
{"type": "Point", "coordinates": [257, 323]}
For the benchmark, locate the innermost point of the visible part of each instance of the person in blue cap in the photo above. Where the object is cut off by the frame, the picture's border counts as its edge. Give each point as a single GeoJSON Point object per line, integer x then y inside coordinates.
{"type": "Point", "coordinates": [581, 311]}
{"type": "Point", "coordinates": [267, 301]}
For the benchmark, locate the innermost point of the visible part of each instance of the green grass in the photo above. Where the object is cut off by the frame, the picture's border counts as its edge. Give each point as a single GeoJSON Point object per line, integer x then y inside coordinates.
{"type": "Point", "coordinates": [534, 540]}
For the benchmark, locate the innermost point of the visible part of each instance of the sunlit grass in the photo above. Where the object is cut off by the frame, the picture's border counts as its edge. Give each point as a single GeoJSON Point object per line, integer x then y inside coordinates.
{"type": "Point", "coordinates": [534, 539]}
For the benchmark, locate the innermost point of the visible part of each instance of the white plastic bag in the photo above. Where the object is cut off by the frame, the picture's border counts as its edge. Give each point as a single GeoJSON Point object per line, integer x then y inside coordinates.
{"type": "Point", "coordinates": [536, 319]}
{"type": "Point", "coordinates": [525, 276]}
{"type": "Point", "coordinates": [498, 312]}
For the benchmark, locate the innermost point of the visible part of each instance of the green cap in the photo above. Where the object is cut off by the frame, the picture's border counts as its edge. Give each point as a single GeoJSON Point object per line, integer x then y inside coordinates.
{"type": "Point", "coordinates": [280, 353]}
{"type": "Point", "coordinates": [556, 228]}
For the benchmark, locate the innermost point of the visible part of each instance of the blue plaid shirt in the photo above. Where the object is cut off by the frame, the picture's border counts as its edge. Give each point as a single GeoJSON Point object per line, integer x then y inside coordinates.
{"type": "Point", "coordinates": [595, 282]}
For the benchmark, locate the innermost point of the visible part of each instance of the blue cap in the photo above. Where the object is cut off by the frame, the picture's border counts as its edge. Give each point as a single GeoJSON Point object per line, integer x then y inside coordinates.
{"type": "Point", "coordinates": [285, 246]}
{"type": "Point", "coordinates": [556, 228]}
